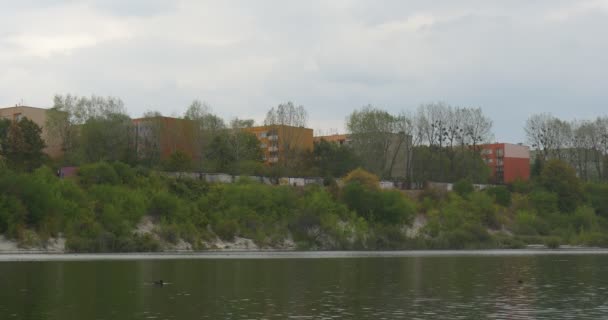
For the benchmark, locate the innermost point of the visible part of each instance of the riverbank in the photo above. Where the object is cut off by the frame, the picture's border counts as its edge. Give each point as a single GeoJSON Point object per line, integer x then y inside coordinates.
{"type": "Point", "coordinates": [277, 254]}
{"type": "Point", "coordinates": [247, 247]}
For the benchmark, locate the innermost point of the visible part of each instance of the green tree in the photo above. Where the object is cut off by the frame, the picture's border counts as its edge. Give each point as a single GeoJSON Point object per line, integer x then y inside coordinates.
{"type": "Point", "coordinates": [92, 128]}
{"type": "Point", "coordinates": [22, 145]}
{"type": "Point", "coordinates": [380, 140]}
{"type": "Point", "coordinates": [208, 125]}
{"type": "Point", "coordinates": [178, 161]}
{"type": "Point", "coordinates": [537, 167]}
{"type": "Point", "coordinates": [334, 160]}
{"type": "Point", "coordinates": [109, 138]}
{"type": "Point", "coordinates": [229, 150]}
{"type": "Point", "coordinates": [560, 178]}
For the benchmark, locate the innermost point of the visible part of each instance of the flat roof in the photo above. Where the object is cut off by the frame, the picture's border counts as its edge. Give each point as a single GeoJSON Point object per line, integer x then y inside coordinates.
{"type": "Point", "coordinates": [23, 107]}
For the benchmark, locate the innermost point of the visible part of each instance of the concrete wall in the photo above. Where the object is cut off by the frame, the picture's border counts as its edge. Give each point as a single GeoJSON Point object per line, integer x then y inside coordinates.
{"type": "Point", "coordinates": [444, 186]}
{"type": "Point", "coordinates": [283, 181]}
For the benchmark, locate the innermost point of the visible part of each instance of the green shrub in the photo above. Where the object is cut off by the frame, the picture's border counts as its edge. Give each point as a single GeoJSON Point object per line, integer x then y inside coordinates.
{"type": "Point", "coordinates": [146, 243]}
{"type": "Point", "coordinates": [593, 239]}
{"type": "Point", "coordinates": [226, 229]}
{"type": "Point", "coordinates": [544, 202]}
{"type": "Point", "coordinates": [483, 209]}
{"type": "Point", "coordinates": [12, 215]}
{"type": "Point", "coordinates": [98, 173]}
{"type": "Point", "coordinates": [505, 241]}
{"type": "Point", "coordinates": [178, 161]}
{"type": "Point", "coordinates": [389, 237]}
{"type": "Point", "coordinates": [126, 204]}
{"type": "Point", "coordinates": [501, 195]}
{"type": "Point", "coordinates": [163, 204]}
{"type": "Point", "coordinates": [560, 178]}
{"type": "Point", "coordinates": [463, 187]}
{"type": "Point", "coordinates": [584, 219]}
{"type": "Point", "coordinates": [170, 233]}
{"type": "Point", "coordinates": [552, 242]}
{"type": "Point", "coordinates": [598, 197]}
{"type": "Point", "coordinates": [521, 186]}
{"type": "Point", "coordinates": [389, 207]}
{"type": "Point", "coordinates": [364, 178]}
{"type": "Point", "coordinates": [125, 173]}
{"type": "Point", "coordinates": [527, 223]}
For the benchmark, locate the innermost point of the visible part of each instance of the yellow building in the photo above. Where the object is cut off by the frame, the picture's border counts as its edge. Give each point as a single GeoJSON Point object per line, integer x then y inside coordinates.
{"type": "Point", "coordinates": [38, 116]}
{"type": "Point", "coordinates": [277, 141]}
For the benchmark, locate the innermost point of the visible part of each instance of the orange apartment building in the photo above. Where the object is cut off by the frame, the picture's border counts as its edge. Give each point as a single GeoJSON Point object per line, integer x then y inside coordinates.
{"type": "Point", "coordinates": [508, 162]}
{"type": "Point", "coordinates": [37, 115]}
{"type": "Point", "coordinates": [166, 135]}
{"type": "Point", "coordinates": [276, 139]}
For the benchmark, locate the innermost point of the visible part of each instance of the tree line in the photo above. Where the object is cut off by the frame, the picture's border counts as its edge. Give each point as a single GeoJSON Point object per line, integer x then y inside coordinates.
{"type": "Point", "coordinates": [435, 142]}
{"type": "Point", "coordinates": [583, 144]}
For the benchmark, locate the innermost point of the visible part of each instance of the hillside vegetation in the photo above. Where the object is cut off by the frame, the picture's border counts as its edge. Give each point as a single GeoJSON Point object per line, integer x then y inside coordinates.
{"type": "Point", "coordinates": [101, 209]}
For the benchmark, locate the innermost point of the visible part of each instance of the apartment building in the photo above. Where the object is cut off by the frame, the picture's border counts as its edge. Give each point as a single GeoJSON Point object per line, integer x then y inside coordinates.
{"type": "Point", "coordinates": [508, 162]}
{"type": "Point", "coordinates": [276, 140]}
{"type": "Point", "coordinates": [160, 136]}
{"type": "Point", "coordinates": [39, 116]}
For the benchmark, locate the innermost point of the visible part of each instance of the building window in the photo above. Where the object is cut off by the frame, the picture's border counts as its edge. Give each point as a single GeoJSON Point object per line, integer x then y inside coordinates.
{"type": "Point", "coordinates": [263, 146]}
{"type": "Point", "coordinates": [262, 134]}
{"type": "Point", "coordinates": [17, 116]}
{"type": "Point", "coordinates": [500, 152]}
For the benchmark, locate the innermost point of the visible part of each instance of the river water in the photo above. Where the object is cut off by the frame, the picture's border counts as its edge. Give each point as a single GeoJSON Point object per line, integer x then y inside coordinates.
{"type": "Point", "coordinates": [335, 285]}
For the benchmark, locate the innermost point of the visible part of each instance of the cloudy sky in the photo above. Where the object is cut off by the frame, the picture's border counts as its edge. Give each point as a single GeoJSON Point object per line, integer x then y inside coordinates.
{"type": "Point", "coordinates": [512, 58]}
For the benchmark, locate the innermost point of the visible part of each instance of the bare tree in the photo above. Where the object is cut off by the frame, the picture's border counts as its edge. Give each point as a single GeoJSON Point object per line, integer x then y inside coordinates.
{"type": "Point", "coordinates": [208, 125]}
{"type": "Point", "coordinates": [287, 114]}
{"type": "Point", "coordinates": [288, 142]}
{"type": "Point", "coordinates": [477, 127]}
{"type": "Point", "coordinates": [541, 133]}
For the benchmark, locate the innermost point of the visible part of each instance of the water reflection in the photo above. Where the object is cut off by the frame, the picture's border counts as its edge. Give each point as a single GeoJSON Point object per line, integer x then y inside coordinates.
{"type": "Point", "coordinates": [416, 287]}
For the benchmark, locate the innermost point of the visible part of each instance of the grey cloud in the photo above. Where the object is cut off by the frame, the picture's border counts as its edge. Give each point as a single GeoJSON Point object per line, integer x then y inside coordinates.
{"type": "Point", "coordinates": [512, 58]}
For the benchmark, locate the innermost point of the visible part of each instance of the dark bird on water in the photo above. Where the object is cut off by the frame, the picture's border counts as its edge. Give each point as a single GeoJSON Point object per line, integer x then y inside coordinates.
{"type": "Point", "coordinates": [518, 281]}
{"type": "Point", "coordinates": [159, 282]}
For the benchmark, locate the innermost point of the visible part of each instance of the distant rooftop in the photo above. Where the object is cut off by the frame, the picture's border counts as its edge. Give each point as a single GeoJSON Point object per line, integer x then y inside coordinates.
{"type": "Point", "coordinates": [20, 106]}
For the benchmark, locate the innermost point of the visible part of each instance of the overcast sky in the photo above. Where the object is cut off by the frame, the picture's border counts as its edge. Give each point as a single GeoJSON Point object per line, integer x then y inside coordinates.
{"type": "Point", "coordinates": [512, 58]}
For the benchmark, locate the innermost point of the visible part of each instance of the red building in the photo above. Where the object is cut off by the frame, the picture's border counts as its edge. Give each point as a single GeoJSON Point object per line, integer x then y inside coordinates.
{"type": "Point", "coordinates": [508, 162]}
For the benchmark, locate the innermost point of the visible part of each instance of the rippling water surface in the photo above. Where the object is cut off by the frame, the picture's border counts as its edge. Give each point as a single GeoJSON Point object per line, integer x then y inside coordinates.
{"type": "Point", "coordinates": [444, 285]}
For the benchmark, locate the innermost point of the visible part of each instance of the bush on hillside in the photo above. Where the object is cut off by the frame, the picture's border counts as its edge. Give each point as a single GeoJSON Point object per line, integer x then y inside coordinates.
{"type": "Point", "coordinates": [463, 187]}
{"type": "Point", "coordinates": [98, 173]}
{"type": "Point", "coordinates": [362, 177]}
{"type": "Point", "coordinates": [560, 178]}
{"type": "Point", "coordinates": [501, 194]}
